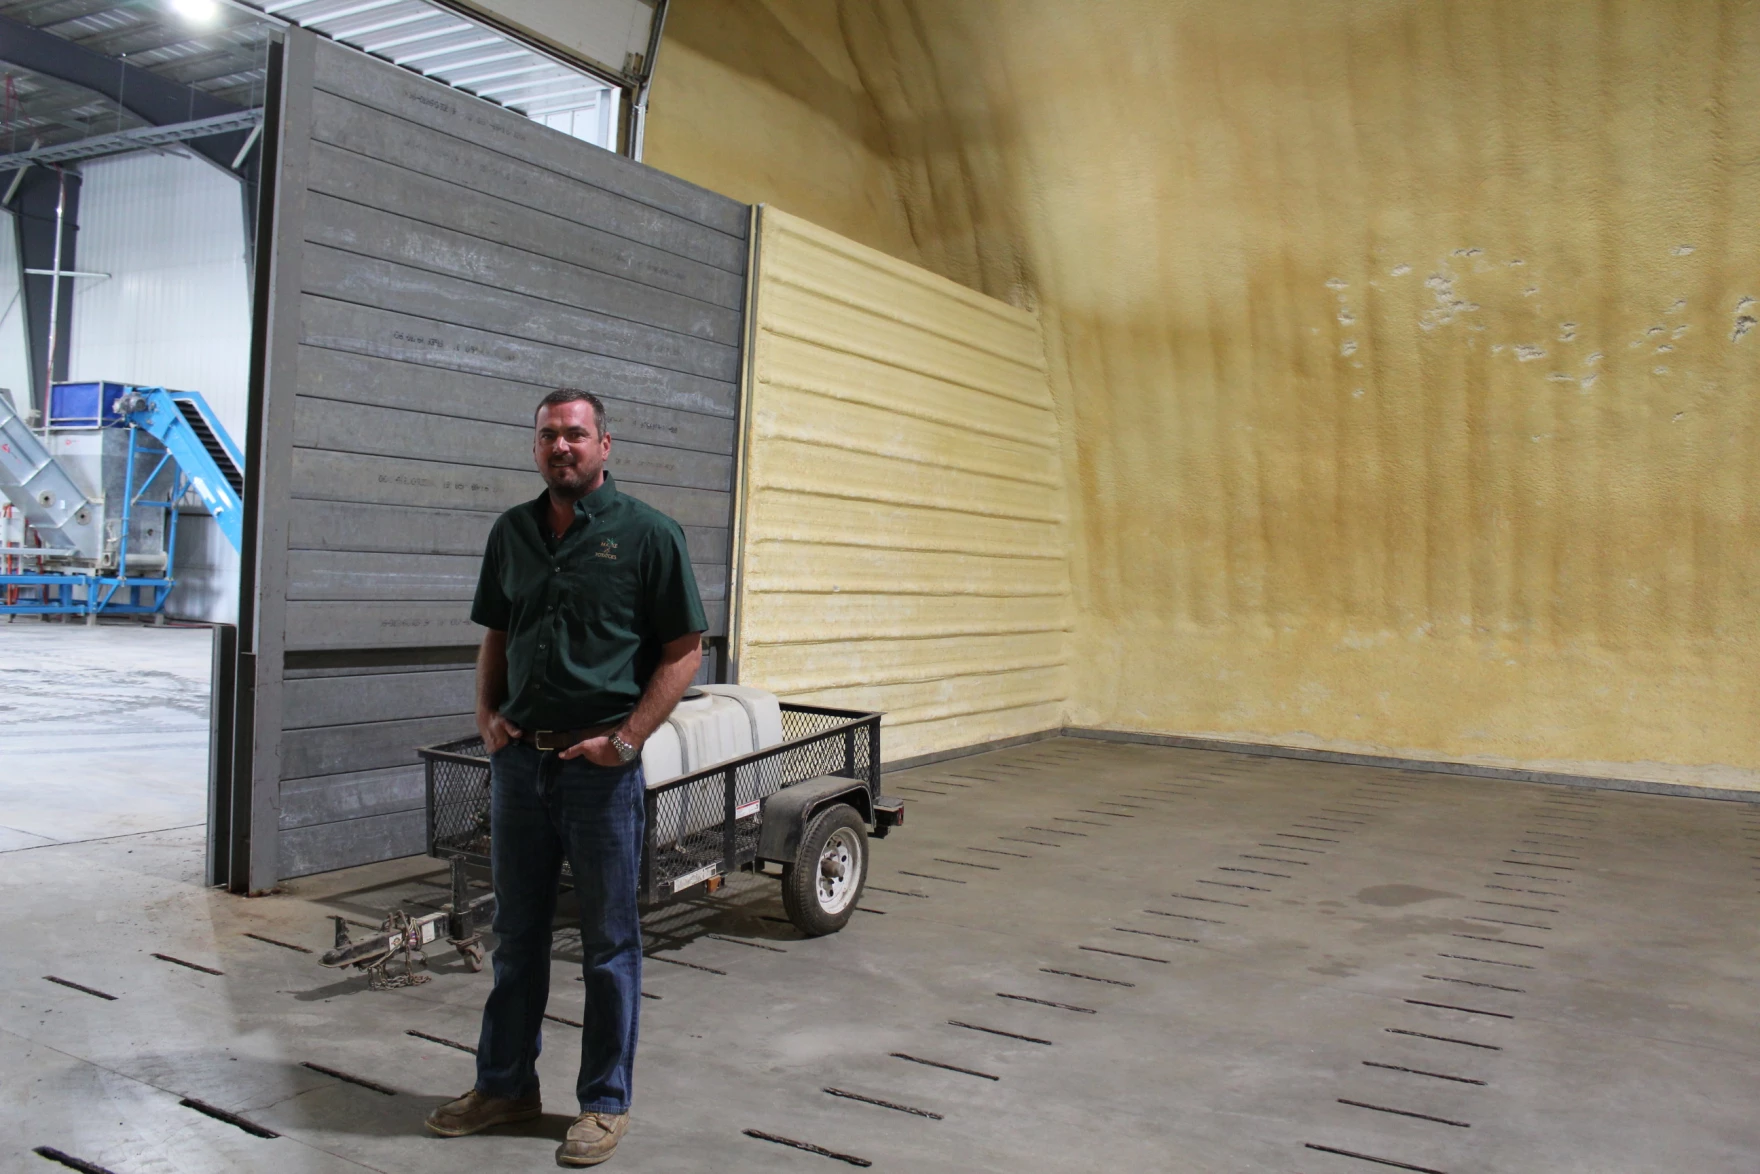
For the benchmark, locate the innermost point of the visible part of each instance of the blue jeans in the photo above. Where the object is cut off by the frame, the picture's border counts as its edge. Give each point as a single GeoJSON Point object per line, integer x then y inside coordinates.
{"type": "Point", "coordinates": [544, 811]}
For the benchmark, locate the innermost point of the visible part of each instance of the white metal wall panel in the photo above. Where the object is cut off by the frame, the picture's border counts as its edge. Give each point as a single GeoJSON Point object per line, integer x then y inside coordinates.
{"type": "Point", "coordinates": [175, 311]}
{"type": "Point", "coordinates": [15, 363]}
{"type": "Point", "coordinates": [441, 264]}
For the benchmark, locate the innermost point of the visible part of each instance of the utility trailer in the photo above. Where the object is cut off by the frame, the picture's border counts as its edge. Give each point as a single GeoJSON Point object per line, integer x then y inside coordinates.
{"type": "Point", "coordinates": [808, 804]}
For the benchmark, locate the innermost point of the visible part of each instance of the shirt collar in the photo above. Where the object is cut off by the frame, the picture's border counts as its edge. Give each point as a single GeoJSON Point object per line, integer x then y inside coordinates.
{"type": "Point", "coordinates": [592, 504]}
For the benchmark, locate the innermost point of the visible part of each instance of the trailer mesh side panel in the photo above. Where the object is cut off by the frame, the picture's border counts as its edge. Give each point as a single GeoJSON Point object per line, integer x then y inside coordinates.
{"type": "Point", "coordinates": [694, 822]}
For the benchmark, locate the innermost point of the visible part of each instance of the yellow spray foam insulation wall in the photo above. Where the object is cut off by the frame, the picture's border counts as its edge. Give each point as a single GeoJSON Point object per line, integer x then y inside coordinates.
{"type": "Point", "coordinates": [904, 544]}
{"type": "Point", "coordinates": [1405, 351]}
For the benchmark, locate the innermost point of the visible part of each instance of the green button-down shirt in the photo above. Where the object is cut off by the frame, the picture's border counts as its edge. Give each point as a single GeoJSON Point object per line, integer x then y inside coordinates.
{"type": "Point", "coordinates": [585, 615]}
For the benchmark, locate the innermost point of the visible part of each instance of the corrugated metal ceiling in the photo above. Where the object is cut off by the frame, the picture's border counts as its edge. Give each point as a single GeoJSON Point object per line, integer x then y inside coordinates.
{"type": "Point", "coordinates": [224, 53]}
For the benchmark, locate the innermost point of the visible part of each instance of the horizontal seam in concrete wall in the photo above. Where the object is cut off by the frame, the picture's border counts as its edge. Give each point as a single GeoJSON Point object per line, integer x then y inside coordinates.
{"type": "Point", "coordinates": [611, 402]}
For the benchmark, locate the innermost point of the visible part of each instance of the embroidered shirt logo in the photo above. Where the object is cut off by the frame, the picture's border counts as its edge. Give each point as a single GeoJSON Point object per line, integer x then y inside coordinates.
{"type": "Point", "coordinates": [607, 550]}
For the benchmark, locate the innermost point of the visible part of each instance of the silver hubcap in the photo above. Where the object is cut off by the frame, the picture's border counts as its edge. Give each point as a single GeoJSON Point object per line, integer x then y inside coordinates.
{"type": "Point", "coordinates": [840, 866]}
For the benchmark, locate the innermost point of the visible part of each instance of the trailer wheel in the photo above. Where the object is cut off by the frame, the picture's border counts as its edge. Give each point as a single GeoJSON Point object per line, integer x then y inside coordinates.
{"type": "Point", "coordinates": [821, 887]}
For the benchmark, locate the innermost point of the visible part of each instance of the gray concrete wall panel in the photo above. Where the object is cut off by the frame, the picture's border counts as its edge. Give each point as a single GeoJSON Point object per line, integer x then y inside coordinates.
{"type": "Point", "coordinates": [395, 92]}
{"type": "Point", "coordinates": [446, 346]}
{"type": "Point", "coordinates": [377, 697]}
{"type": "Point", "coordinates": [444, 264]}
{"type": "Point", "coordinates": [386, 285]}
{"type": "Point", "coordinates": [385, 383]}
{"type": "Point", "coordinates": [353, 796]}
{"type": "Point", "coordinates": [485, 169]}
{"type": "Point", "coordinates": [327, 846]}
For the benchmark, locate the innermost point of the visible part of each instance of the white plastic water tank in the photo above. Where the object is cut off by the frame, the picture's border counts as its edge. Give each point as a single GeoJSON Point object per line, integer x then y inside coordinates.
{"type": "Point", "coordinates": [762, 709]}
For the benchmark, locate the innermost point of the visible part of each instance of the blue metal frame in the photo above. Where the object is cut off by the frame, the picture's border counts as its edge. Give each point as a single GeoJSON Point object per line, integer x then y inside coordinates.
{"type": "Point", "coordinates": [91, 595]}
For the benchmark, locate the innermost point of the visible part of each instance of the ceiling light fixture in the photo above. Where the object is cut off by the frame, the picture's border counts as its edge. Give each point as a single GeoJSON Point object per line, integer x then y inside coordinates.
{"type": "Point", "coordinates": [197, 11]}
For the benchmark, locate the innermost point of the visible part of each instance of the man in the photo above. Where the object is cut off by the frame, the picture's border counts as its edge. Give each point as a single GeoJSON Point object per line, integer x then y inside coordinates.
{"type": "Point", "coordinates": [594, 632]}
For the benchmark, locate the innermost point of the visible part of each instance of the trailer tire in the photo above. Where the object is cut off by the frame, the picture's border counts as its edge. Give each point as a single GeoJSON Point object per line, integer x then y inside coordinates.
{"type": "Point", "coordinates": [821, 888]}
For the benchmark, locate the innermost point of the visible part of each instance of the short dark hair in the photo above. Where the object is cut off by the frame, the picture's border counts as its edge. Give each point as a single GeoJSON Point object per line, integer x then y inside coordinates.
{"type": "Point", "coordinates": [574, 395]}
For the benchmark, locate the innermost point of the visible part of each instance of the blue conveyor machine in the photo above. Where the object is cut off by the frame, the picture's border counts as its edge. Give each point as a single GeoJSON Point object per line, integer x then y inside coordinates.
{"type": "Point", "coordinates": [99, 492]}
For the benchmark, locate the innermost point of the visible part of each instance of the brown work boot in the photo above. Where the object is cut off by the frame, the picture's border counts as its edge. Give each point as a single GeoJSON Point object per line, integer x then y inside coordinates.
{"type": "Point", "coordinates": [592, 1138]}
{"type": "Point", "coordinates": [475, 1112]}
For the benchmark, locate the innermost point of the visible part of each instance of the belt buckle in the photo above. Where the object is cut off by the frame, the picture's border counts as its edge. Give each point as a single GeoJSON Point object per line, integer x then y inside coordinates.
{"type": "Point", "coordinates": [541, 740]}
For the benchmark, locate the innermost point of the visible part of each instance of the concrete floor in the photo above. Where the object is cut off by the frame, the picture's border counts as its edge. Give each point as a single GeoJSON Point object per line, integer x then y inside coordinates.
{"type": "Point", "coordinates": [1101, 956]}
{"type": "Point", "coordinates": [103, 730]}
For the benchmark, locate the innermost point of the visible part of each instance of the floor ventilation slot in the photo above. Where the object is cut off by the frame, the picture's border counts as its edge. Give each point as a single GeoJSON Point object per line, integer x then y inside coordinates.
{"type": "Point", "coordinates": [1514, 990]}
{"type": "Point", "coordinates": [1254, 871]}
{"type": "Point", "coordinates": [1487, 961]}
{"type": "Point", "coordinates": [1233, 885]}
{"type": "Point", "coordinates": [1397, 1165]}
{"type": "Point", "coordinates": [743, 942]}
{"type": "Point", "coordinates": [1442, 1039]}
{"type": "Point", "coordinates": [1019, 840]}
{"type": "Point", "coordinates": [1210, 900]}
{"type": "Point", "coordinates": [967, 864]}
{"type": "Point", "coordinates": [1421, 1072]}
{"type": "Point", "coordinates": [1002, 852]}
{"type": "Point", "coordinates": [1275, 859]}
{"type": "Point", "coordinates": [232, 1119]}
{"type": "Point", "coordinates": [895, 892]}
{"type": "Point", "coordinates": [1295, 848]}
{"type": "Point", "coordinates": [1056, 831]}
{"type": "Point", "coordinates": [682, 962]}
{"type": "Point", "coordinates": [943, 1067]}
{"type": "Point", "coordinates": [931, 876]}
{"type": "Point", "coordinates": [1122, 954]}
{"type": "Point", "coordinates": [273, 942]}
{"type": "Point", "coordinates": [190, 965]}
{"type": "Point", "coordinates": [1514, 905]}
{"type": "Point", "coordinates": [809, 1147]}
{"type": "Point", "coordinates": [345, 1077]}
{"type": "Point", "coordinates": [564, 1022]}
{"type": "Point", "coordinates": [1503, 921]}
{"type": "Point", "coordinates": [1028, 1039]}
{"type": "Point", "coordinates": [71, 1162]}
{"type": "Point", "coordinates": [1403, 1113]}
{"type": "Point", "coordinates": [441, 1040]}
{"type": "Point", "coordinates": [84, 990]}
{"type": "Point", "coordinates": [1317, 839]}
{"type": "Point", "coordinates": [1087, 977]}
{"type": "Point", "coordinates": [1093, 823]}
{"type": "Point", "coordinates": [1149, 933]}
{"type": "Point", "coordinates": [1452, 1007]}
{"type": "Point", "coordinates": [1047, 1003]}
{"type": "Point", "coordinates": [1186, 916]}
{"type": "Point", "coordinates": [856, 1096]}
{"type": "Point", "coordinates": [1500, 941]}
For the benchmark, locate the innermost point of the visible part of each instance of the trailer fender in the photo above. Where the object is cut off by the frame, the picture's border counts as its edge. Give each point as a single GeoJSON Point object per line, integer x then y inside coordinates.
{"type": "Point", "coordinates": [786, 813]}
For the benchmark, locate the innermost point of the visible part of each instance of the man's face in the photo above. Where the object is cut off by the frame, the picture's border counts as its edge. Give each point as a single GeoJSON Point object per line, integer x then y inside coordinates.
{"type": "Point", "coordinates": [568, 448]}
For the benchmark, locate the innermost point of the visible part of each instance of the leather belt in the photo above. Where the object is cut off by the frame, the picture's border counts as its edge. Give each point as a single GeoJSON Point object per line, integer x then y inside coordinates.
{"type": "Point", "coordinates": [563, 739]}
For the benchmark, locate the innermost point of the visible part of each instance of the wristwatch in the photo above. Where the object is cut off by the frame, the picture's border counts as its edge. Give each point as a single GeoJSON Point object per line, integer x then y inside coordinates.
{"type": "Point", "coordinates": [626, 753]}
